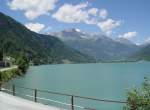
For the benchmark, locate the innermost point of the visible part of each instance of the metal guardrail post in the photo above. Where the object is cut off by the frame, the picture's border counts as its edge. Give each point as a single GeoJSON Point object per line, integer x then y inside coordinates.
{"type": "Point", "coordinates": [35, 95]}
{"type": "Point", "coordinates": [72, 103]}
{"type": "Point", "coordinates": [13, 87]}
{"type": "Point", "coordinates": [0, 86]}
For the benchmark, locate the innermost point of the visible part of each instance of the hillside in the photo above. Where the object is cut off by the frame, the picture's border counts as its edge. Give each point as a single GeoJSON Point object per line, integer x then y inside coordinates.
{"type": "Point", "coordinates": [41, 49]}
{"type": "Point", "coordinates": [143, 53]}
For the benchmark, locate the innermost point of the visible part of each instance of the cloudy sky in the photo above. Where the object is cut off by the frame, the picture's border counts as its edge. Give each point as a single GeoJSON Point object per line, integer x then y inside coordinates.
{"type": "Point", "coordinates": [129, 19]}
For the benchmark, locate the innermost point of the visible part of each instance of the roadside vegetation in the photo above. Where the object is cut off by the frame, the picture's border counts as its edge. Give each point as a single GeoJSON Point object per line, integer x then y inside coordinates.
{"type": "Point", "coordinates": [139, 98]}
{"type": "Point", "coordinates": [22, 64]}
{"type": "Point", "coordinates": [9, 74]}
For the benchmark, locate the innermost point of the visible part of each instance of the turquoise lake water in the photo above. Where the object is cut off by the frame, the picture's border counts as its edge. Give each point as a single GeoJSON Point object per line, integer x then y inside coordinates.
{"type": "Point", "coordinates": [100, 80]}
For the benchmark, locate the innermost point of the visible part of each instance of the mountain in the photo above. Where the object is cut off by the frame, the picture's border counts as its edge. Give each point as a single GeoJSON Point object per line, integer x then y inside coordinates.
{"type": "Point", "coordinates": [41, 49]}
{"type": "Point", "coordinates": [98, 46]}
{"type": "Point", "coordinates": [124, 41]}
{"type": "Point", "coordinates": [145, 43]}
{"type": "Point", "coordinates": [143, 53]}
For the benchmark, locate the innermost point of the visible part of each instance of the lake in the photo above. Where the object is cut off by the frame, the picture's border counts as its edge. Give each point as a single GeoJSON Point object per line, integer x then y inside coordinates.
{"type": "Point", "coordinates": [99, 80]}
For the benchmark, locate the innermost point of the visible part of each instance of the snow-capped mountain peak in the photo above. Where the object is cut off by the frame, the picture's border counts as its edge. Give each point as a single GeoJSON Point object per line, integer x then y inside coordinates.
{"type": "Point", "coordinates": [124, 41]}
{"type": "Point", "coordinates": [77, 30]}
{"type": "Point", "coordinates": [72, 30]}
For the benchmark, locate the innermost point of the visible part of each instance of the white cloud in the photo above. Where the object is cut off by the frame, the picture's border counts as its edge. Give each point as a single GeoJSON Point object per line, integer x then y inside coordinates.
{"type": "Point", "coordinates": [72, 13]}
{"type": "Point", "coordinates": [108, 25]}
{"type": "Point", "coordinates": [93, 11]}
{"type": "Point", "coordinates": [82, 13]}
{"type": "Point", "coordinates": [138, 44]}
{"type": "Point", "coordinates": [69, 13]}
{"type": "Point", "coordinates": [103, 13]}
{"type": "Point", "coordinates": [33, 8]}
{"type": "Point", "coordinates": [47, 30]}
{"type": "Point", "coordinates": [147, 41]}
{"type": "Point", "coordinates": [36, 27]}
{"type": "Point", "coordinates": [129, 35]}
{"type": "Point", "coordinates": [91, 21]}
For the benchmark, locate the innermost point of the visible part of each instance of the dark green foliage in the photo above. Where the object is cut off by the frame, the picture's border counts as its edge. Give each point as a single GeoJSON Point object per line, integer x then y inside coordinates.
{"type": "Point", "coordinates": [40, 49]}
{"type": "Point", "coordinates": [22, 62]}
{"type": "Point", "coordinates": [9, 74]}
{"type": "Point", "coordinates": [139, 98]}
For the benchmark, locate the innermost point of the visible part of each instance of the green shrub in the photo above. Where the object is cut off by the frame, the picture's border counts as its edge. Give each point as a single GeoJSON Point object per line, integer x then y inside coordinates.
{"type": "Point", "coordinates": [139, 98]}
{"type": "Point", "coordinates": [9, 74]}
{"type": "Point", "coordinates": [22, 63]}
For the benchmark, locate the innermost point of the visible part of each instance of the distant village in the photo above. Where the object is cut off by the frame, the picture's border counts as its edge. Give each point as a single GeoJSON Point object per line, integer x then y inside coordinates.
{"type": "Point", "coordinates": [5, 61]}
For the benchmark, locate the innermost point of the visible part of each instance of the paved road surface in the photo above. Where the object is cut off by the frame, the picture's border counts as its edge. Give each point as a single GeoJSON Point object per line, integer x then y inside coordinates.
{"type": "Point", "coordinates": [9, 102]}
{"type": "Point", "coordinates": [9, 68]}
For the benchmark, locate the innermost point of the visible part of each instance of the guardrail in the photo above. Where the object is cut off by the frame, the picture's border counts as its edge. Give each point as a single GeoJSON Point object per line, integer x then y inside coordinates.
{"type": "Point", "coordinates": [72, 105]}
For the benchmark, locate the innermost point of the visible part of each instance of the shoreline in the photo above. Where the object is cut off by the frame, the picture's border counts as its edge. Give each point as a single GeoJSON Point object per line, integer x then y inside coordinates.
{"type": "Point", "coordinates": [91, 63]}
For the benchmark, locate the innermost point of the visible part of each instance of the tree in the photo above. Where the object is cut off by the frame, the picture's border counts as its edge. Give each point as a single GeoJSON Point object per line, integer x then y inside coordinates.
{"type": "Point", "coordinates": [22, 62]}
{"type": "Point", "coordinates": [139, 98]}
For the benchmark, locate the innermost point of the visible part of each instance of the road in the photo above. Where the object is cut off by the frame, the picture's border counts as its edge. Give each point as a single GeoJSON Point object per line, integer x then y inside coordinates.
{"type": "Point", "coordinates": [9, 102]}
{"type": "Point", "coordinates": [8, 68]}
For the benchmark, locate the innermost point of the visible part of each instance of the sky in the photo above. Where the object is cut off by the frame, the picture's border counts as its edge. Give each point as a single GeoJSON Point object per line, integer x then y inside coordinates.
{"type": "Point", "coordinates": [128, 19]}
